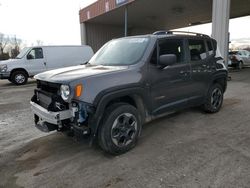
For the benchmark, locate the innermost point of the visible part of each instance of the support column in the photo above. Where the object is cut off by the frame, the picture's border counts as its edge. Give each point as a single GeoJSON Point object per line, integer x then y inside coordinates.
{"type": "Point", "coordinates": [220, 26]}
{"type": "Point", "coordinates": [126, 21]}
{"type": "Point", "coordinates": [83, 34]}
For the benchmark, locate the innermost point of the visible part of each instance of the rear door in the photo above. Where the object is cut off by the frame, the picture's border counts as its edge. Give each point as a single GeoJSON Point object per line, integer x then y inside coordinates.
{"type": "Point", "coordinates": [35, 61]}
{"type": "Point", "coordinates": [170, 87]}
{"type": "Point", "coordinates": [201, 60]}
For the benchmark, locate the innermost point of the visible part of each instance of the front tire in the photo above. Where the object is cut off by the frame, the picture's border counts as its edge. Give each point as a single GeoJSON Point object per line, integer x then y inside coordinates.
{"type": "Point", "coordinates": [214, 99]}
{"type": "Point", "coordinates": [120, 129]}
{"type": "Point", "coordinates": [19, 78]}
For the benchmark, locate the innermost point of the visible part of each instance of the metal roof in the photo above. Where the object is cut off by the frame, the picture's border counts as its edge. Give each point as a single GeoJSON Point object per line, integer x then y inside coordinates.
{"type": "Point", "coordinates": [157, 14]}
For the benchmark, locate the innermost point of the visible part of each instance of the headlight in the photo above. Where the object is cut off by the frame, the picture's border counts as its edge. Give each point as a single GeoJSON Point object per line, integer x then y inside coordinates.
{"type": "Point", "coordinates": [3, 68]}
{"type": "Point", "coordinates": [65, 92]}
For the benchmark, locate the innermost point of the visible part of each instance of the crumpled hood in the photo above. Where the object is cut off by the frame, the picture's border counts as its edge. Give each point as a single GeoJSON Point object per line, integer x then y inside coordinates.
{"type": "Point", "coordinates": [76, 72]}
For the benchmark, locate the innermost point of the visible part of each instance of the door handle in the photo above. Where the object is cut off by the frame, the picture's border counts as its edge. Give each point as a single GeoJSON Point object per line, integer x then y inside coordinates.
{"type": "Point", "coordinates": [45, 63]}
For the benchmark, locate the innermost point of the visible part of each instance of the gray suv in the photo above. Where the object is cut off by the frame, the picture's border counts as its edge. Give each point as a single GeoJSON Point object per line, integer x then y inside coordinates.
{"type": "Point", "coordinates": [129, 82]}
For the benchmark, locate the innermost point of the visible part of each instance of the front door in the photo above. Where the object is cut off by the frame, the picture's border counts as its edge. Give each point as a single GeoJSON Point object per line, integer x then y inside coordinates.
{"type": "Point", "coordinates": [35, 61]}
{"type": "Point", "coordinates": [170, 86]}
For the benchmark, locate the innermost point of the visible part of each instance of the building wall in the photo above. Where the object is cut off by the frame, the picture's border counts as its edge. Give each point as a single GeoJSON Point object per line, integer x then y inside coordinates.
{"type": "Point", "coordinates": [140, 31]}
{"type": "Point", "coordinates": [99, 34]}
{"type": "Point", "coordinates": [96, 35]}
{"type": "Point", "coordinates": [98, 8]}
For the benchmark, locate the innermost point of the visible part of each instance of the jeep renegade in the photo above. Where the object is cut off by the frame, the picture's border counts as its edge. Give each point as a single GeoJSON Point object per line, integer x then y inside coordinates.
{"type": "Point", "coordinates": [129, 82]}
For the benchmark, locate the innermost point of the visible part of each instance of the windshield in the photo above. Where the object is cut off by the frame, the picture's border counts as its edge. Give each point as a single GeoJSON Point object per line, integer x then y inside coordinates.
{"type": "Point", "coordinates": [125, 51]}
{"type": "Point", "coordinates": [22, 53]}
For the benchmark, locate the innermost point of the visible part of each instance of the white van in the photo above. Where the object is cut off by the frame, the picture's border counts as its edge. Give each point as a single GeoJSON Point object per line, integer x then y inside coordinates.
{"type": "Point", "coordinates": [34, 60]}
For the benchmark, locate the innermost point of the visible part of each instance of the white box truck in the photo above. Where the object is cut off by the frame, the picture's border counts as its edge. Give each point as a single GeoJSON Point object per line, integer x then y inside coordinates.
{"type": "Point", "coordinates": [34, 60]}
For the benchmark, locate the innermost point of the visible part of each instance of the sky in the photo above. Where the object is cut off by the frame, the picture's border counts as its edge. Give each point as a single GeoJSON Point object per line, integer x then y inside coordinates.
{"type": "Point", "coordinates": [57, 21]}
{"type": "Point", "coordinates": [50, 21]}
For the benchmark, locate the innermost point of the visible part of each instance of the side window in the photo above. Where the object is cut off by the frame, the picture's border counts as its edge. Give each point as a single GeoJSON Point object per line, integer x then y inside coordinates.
{"type": "Point", "coordinates": [172, 46]}
{"type": "Point", "coordinates": [35, 53]}
{"type": "Point", "coordinates": [210, 47]}
{"type": "Point", "coordinates": [197, 50]}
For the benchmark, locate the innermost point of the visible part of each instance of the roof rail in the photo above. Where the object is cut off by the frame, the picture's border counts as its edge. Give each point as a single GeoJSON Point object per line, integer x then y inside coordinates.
{"type": "Point", "coordinates": [179, 32]}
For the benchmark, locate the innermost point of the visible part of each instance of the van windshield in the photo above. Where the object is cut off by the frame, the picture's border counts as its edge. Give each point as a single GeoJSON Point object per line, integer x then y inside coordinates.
{"type": "Point", "coordinates": [125, 51]}
{"type": "Point", "coordinates": [22, 53]}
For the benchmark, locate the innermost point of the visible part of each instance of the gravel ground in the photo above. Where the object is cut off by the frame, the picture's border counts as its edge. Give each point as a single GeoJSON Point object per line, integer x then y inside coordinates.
{"type": "Point", "coordinates": [187, 149]}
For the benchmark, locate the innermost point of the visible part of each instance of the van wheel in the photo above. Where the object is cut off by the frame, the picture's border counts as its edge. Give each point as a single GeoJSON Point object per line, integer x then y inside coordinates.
{"type": "Point", "coordinates": [19, 78]}
{"type": "Point", "coordinates": [214, 99]}
{"type": "Point", "coordinates": [120, 129]}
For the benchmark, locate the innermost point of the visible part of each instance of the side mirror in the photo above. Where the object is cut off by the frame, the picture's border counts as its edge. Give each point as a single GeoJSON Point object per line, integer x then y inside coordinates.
{"type": "Point", "coordinates": [29, 56]}
{"type": "Point", "coordinates": [167, 59]}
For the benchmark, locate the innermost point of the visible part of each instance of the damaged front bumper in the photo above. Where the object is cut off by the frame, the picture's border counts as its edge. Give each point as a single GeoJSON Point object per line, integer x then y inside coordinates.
{"type": "Point", "coordinates": [50, 117]}
{"type": "Point", "coordinates": [74, 119]}
{"type": "Point", "coordinates": [47, 121]}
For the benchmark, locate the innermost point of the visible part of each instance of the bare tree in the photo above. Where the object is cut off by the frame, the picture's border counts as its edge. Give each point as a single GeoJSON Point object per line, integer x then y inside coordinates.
{"type": "Point", "coordinates": [9, 46]}
{"type": "Point", "coordinates": [3, 42]}
{"type": "Point", "coordinates": [15, 46]}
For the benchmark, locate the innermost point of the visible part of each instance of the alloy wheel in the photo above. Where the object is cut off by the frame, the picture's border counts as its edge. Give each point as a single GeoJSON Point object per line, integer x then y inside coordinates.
{"type": "Point", "coordinates": [216, 98]}
{"type": "Point", "coordinates": [124, 129]}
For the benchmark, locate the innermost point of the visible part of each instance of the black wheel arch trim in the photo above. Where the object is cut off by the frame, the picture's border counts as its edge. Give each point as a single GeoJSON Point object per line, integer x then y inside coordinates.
{"type": "Point", "coordinates": [135, 92]}
{"type": "Point", "coordinates": [220, 75]}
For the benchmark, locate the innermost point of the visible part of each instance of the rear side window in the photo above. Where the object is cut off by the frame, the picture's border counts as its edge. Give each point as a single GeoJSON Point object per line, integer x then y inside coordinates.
{"type": "Point", "coordinates": [172, 46]}
{"type": "Point", "coordinates": [210, 47]}
{"type": "Point", "coordinates": [197, 50]}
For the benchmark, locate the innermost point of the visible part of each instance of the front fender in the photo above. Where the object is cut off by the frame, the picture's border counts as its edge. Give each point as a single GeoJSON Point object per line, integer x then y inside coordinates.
{"type": "Point", "coordinates": [138, 94]}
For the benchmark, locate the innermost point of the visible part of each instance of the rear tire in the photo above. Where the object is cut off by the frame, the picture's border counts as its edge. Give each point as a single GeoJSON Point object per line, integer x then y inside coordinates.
{"type": "Point", "coordinates": [19, 78]}
{"type": "Point", "coordinates": [214, 99]}
{"type": "Point", "coordinates": [120, 129]}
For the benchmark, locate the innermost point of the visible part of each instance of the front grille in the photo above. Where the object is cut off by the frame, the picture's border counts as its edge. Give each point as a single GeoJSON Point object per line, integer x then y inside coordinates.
{"type": "Point", "coordinates": [48, 87]}
{"type": "Point", "coordinates": [48, 96]}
